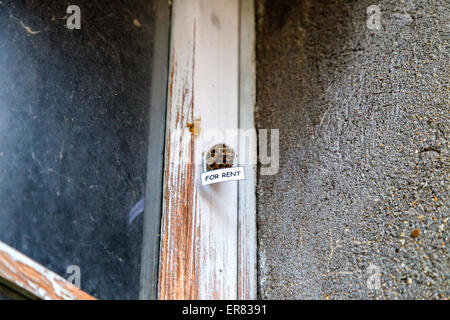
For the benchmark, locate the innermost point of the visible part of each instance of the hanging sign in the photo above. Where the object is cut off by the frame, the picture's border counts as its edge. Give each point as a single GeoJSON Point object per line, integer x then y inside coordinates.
{"type": "Point", "coordinates": [222, 175]}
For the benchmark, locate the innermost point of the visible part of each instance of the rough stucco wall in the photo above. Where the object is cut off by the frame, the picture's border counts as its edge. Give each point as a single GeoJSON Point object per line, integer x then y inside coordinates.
{"type": "Point", "coordinates": [364, 156]}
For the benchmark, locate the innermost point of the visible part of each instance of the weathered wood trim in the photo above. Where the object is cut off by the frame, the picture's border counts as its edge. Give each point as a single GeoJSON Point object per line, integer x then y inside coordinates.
{"type": "Point", "coordinates": [33, 280]}
{"type": "Point", "coordinates": [198, 257]}
{"type": "Point", "coordinates": [247, 243]}
{"type": "Point", "coordinates": [153, 197]}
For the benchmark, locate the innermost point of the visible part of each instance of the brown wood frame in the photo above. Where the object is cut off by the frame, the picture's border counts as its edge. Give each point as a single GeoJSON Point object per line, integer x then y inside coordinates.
{"type": "Point", "coordinates": [32, 280]}
{"type": "Point", "coordinates": [208, 236]}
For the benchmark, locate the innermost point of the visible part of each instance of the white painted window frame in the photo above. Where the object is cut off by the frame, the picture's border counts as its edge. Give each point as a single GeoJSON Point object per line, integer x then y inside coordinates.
{"type": "Point", "coordinates": [208, 236]}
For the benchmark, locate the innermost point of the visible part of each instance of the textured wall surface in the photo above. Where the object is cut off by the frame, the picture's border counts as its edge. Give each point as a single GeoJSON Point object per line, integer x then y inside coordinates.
{"type": "Point", "coordinates": [363, 184]}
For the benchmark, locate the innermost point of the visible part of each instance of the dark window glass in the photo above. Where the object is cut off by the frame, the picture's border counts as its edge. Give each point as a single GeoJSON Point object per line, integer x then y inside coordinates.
{"type": "Point", "coordinates": [74, 113]}
{"type": "Point", "coordinates": [6, 293]}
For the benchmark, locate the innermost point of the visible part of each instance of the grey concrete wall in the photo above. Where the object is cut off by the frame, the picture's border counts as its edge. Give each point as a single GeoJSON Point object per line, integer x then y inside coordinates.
{"type": "Point", "coordinates": [363, 184]}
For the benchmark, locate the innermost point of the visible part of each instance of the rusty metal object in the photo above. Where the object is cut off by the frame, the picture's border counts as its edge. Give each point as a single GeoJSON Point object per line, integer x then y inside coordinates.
{"type": "Point", "coordinates": [219, 156]}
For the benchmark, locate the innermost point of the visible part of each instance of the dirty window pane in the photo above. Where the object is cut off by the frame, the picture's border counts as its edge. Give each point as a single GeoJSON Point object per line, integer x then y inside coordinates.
{"type": "Point", "coordinates": [74, 109]}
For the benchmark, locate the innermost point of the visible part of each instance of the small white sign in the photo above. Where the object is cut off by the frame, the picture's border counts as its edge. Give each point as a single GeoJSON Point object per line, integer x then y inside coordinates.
{"type": "Point", "coordinates": [222, 175]}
